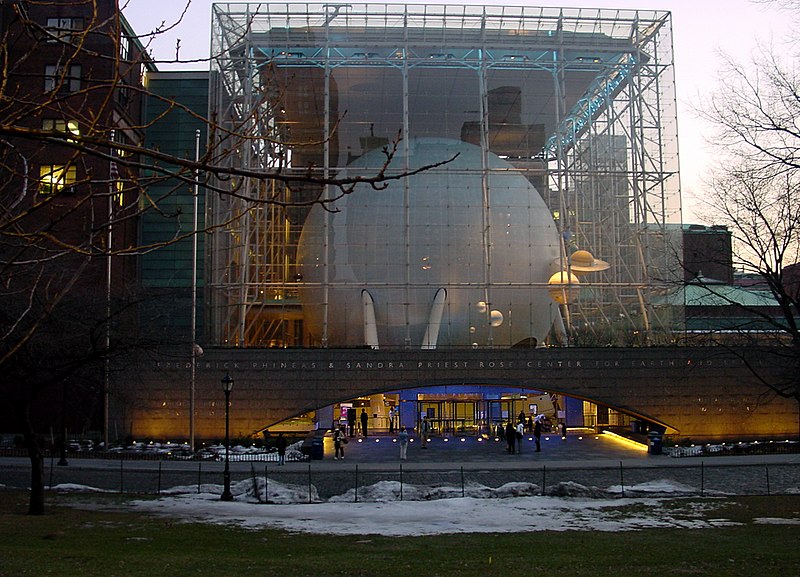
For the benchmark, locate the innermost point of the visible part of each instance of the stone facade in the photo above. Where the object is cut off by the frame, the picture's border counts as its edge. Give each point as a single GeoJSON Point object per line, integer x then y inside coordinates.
{"type": "Point", "coordinates": [697, 393]}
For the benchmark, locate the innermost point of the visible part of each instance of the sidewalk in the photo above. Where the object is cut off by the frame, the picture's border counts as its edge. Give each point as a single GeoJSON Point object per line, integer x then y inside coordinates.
{"type": "Point", "coordinates": [580, 449]}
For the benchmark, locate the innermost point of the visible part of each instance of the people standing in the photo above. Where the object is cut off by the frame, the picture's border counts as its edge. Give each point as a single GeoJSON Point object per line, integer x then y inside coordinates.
{"type": "Point", "coordinates": [391, 420]}
{"type": "Point", "coordinates": [520, 432]}
{"type": "Point", "coordinates": [403, 438]}
{"type": "Point", "coordinates": [351, 421]}
{"type": "Point", "coordinates": [364, 418]}
{"type": "Point", "coordinates": [281, 443]}
{"type": "Point", "coordinates": [424, 429]}
{"type": "Point", "coordinates": [511, 438]}
{"type": "Point", "coordinates": [537, 434]}
{"type": "Point", "coordinates": [339, 439]}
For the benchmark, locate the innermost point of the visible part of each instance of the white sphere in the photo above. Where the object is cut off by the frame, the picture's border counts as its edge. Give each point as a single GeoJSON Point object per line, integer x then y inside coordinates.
{"type": "Point", "coordinates": [403, 243]}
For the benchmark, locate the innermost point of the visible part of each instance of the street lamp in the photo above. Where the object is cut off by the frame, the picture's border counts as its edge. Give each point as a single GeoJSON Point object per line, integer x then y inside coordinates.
{"type": "Point", "coordinates": [227, 385]}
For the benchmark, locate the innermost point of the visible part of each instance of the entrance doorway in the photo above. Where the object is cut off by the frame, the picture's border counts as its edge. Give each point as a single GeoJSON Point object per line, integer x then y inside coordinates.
{"type": "Point", "coordinates": [449, 415]}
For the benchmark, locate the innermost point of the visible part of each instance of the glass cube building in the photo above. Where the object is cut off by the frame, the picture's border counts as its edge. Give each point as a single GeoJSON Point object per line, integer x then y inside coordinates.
{"type": "Point", "coordinates": [526, 163]}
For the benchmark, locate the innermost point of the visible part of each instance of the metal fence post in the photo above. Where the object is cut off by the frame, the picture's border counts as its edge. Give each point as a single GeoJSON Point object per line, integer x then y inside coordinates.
{"type": "Point", "coordinates": [544, 477]}
{"type": "Point", "coordinates": [621, 479]}
{"type": "Point", "coordinates": [266, 483]}
{"type": "Point", "coordinates": [401, 481]}
{"type": "Point", "coordinates": [462, 480]}
{"type": "Point", "coordinates": [355, 498]}
{"type": "Point", "coordinates": [702, 479]}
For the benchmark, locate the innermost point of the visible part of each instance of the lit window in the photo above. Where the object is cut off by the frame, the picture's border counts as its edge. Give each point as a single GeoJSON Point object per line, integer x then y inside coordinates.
{"type": "Point", "coordinates": [119, 137]}
{"type": "Point", "coordinates": [119, 196]}
{"type": "Point", "coordinates": [63, 29]}
{"type": "Point", "coordinates": [54, 178]}
{"type": "Point", "coordinates": [57, 78]}
{"type": "Point", "coordinates": [65, 126]}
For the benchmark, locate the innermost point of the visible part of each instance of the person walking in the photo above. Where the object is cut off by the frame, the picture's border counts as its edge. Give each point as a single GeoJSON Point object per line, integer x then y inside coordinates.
{"type": "Point", "coordinates": [364, 418]}
{"type": "Point", "coordinates": [403, 438]}
{"type": "Point", "coordinates": [520, 432]}
{"type": "Point", "coordinates": [281, 443]}
{"type": "Point", "coordinates": [424, 429]}
{"type": "Point", "coordinates": [511, 438]}
{"type": "Point", "coordinates": [537, 434]}
{"type": "Point", "coordinates": [339, 440]}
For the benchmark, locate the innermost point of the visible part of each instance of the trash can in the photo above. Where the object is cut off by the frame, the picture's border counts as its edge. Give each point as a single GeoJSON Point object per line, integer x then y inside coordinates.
{"type": "Point", "coordinates": [317, 447]}
{"type": "Point", "coordinates": [654, 442]}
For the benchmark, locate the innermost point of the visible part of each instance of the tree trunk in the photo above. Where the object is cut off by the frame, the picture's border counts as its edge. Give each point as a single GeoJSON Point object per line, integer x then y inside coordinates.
{"type": "Point", "coordinates": [36, 504]}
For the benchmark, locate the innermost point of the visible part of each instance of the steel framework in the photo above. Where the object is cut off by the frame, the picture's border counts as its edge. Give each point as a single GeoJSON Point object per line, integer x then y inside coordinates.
{"type": "Point", "coordinates": [606, 161]}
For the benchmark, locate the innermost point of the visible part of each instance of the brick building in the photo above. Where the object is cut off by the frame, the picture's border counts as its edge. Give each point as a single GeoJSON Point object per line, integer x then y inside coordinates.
{"type": "Point", "coordinates": [70, 115]}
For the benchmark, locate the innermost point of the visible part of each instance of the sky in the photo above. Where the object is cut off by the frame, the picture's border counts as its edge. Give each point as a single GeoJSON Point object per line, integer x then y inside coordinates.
{"type": "Point", "coordinates": [442, 510]}
{"type": "Point", "coordinates": [702, 29]}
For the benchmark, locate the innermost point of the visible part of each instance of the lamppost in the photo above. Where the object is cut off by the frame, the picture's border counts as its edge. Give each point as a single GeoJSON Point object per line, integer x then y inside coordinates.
{"type": "Point", "coordinates": [227, 385]}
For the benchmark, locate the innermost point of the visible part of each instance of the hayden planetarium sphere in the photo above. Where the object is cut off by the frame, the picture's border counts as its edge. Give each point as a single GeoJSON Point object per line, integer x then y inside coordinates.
{"type": "Point", "coordinates": [438, 259]}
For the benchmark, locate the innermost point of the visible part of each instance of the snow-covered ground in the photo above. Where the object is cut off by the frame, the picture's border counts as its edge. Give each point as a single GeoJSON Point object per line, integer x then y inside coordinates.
{"type": "Point", "coordinates": [438, 510]}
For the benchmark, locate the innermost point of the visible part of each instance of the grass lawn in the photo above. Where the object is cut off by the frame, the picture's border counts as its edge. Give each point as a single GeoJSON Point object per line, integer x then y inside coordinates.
{"type": "Point", "coordinates": [110, 542]}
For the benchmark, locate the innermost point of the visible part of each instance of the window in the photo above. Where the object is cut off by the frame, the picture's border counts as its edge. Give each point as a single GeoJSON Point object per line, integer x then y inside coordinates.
{"type": "Point", "coordinates": [124, 48]}
{"type": "Point", "coordinates": [54, 178]}
{"type": "Point", "coordinates": [63, 29]}
{"type": "Point", "coordinates": [123, 94]}
{"type": "Point", "coordinates": [65, 126]}
{"type": "Point", "coordinates": [57, 78]}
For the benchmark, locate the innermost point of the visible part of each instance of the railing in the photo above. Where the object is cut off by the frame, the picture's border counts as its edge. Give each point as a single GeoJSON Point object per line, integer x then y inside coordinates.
{"type": "Point", "coordinates": [309, 482]}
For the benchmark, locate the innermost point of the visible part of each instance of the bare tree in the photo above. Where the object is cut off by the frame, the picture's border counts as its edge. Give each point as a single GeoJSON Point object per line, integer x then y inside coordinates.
{"type": "Point", "coordinates": [74, 166]}
{"type": "Point", "coordinates": [755, 191]}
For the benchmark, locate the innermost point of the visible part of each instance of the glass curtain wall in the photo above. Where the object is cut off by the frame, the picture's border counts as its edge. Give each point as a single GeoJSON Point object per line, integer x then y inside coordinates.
{"type": "Point", "coordinates": [532, 164]}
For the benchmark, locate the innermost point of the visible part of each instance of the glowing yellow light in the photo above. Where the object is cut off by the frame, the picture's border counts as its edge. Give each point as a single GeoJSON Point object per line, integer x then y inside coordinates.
{"type": "Point", "coordinates": [625, 441]}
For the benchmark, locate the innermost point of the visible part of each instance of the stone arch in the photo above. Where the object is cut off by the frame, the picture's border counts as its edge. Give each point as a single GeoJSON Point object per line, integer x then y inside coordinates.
{"type": "Point", "coordinates": [698, 393]}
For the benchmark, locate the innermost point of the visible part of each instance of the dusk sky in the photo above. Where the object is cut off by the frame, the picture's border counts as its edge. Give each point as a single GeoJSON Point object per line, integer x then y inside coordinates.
{"type": "Point", "coordinates": [701, 29]}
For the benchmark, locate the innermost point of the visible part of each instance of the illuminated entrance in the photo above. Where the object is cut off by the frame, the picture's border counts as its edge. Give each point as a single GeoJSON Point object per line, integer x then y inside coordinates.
{"type": "Point", "coordinates": [471, 410]}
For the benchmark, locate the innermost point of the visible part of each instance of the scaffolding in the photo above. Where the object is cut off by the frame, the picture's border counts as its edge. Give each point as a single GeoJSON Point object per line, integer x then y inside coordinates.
{"type": "Point", "coordinates": [580, 102]}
